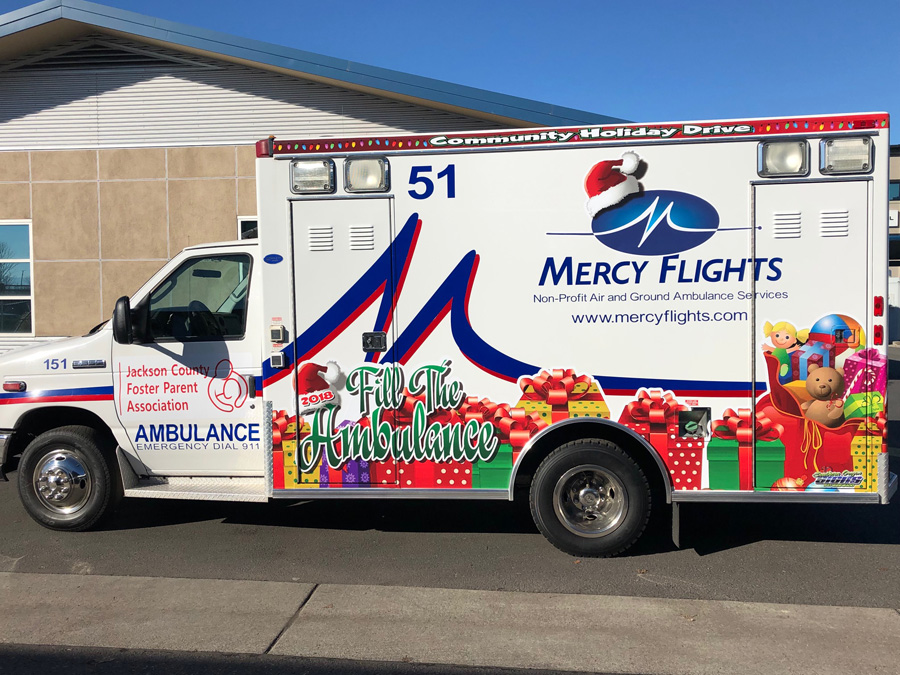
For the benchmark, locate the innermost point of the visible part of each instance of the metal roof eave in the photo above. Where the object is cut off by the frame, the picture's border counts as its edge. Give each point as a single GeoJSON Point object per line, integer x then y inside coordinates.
{"type": "Point", "coordinates": [389, 83]}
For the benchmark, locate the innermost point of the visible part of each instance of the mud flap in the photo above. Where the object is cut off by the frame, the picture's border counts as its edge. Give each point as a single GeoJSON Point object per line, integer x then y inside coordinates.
{"type": "Point", "coordinates": [676, 525]}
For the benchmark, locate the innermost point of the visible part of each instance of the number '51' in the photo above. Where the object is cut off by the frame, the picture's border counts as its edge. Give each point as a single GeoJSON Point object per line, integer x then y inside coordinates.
{"type": "Point", "coordinates": [419, 175]}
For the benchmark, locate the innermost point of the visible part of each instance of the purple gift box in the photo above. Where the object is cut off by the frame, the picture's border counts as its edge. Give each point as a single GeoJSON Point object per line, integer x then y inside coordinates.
{"type": "Point", "coordinates": [355, 474]}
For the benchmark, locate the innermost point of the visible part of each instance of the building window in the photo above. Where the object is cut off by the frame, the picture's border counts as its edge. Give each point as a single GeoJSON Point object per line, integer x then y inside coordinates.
{"type": "Point", "coordinates": [894, 191]}
{"type": "Point", "coordinates": [247, 227]}
{"type": "Point", "coordinates": [16, 291]}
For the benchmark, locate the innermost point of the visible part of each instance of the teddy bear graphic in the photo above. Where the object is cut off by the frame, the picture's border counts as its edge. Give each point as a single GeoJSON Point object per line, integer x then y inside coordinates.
{"type": "Point", "coordinates": [826, 386]}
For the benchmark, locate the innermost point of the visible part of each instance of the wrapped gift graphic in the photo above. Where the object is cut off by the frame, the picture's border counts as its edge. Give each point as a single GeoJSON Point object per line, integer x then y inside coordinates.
{"type": "Point", "coordinates": [453, 475]}
{"type": "Point", "coordinates": [384, 473]}
{"type": "Point", "coordinates": [560, 394]}
{"type": "Point", "coordinates": [277, 470]}
{"type": "Point", "coordinates": [516, 426]}
{"type": "Point", "coordinates": [866, 371]}
{"type": "Point", "coordinates": [864, 405]}
{"type": "Point", "coordinates": [654, 416]}
{"type": "Point", "coordinates": [867, 444]}
{"type": "Point", "coordinates": [812, 353]}
{"type": "Point", "coordinates": [651, 414]}
{"type": "Point", "coordinates": [285, 474]}
{"type": "Point", "coordinates": [732, 456]}
{"type": "Point", "coordinates": [684, 460]}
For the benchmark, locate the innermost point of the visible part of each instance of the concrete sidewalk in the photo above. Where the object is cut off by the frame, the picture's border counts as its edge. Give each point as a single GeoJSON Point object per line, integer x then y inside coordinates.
{"type": "Point", "coordinates": [441, 626]}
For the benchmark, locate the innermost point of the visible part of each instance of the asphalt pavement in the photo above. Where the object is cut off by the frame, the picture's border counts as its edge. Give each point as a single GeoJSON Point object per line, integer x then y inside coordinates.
{"type": "Point", "coordinates": [785, 553]}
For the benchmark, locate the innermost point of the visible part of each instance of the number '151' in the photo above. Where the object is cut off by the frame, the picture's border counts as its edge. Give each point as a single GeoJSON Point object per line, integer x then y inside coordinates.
{"type": "Point", "coordinates": [419, 175]}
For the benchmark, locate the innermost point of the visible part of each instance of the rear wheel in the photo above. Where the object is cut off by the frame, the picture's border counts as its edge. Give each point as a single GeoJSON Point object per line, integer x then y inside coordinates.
{"type": "Point", "coordinates": [65, 479]}
{"type": "Point", "coordinates": [590, 499]}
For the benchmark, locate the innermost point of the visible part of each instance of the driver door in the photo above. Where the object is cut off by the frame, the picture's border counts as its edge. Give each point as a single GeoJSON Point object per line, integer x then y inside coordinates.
{"type": "Point", "coordinates": [186, 397]}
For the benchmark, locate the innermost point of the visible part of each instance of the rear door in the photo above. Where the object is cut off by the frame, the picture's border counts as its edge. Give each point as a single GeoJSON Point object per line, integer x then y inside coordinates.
{"type": "Point", "coordinates": [344, 289]}
{"type": "Point", "coordinates": [814, 236]}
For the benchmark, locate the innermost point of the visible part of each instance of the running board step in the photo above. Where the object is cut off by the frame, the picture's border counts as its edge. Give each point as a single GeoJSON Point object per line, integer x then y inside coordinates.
{"type": "Point", "coordinates": [213, 489]}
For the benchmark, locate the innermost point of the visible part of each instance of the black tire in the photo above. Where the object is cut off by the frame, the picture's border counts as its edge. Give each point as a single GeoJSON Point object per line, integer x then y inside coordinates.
{"type": "Point", "coordinates": [616, 493]}
{"type": "Point", "coordinates": [66, 480]}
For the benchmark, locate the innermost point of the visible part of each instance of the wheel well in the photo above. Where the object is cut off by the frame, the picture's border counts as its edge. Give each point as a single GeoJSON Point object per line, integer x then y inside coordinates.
{"type": "Point", "coordinates": [37, 421]}
{"type": "Point", "coordinates": [563, 432]}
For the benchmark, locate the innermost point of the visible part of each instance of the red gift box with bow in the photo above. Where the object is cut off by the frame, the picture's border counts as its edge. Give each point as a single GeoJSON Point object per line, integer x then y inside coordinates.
{"type": "Point", "coordinates": [516, 426]}
{"type": "Point", "coordinates": [654, 416]}
{"type": "Point", "coordinates": [560, 394]}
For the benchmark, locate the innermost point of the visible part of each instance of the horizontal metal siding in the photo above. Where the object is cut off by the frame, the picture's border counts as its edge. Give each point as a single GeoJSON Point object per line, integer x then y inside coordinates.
{"type": "Point", "coordinates": [194, 106]}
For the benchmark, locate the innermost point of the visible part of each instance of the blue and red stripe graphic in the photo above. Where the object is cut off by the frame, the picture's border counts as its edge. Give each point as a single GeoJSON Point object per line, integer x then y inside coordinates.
{"type": "Point", "coordinates": [385, 278]}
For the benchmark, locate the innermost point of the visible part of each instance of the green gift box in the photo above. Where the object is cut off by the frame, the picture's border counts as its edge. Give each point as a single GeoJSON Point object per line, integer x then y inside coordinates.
{"type": "Point", "coordinates": [769, 463]}
{"type": "Point", "coordinates": [867, 404]}
{"type": "Point", "coordinates": [494, 474]}
{"type": "Point", "coordinates": [724, 469]}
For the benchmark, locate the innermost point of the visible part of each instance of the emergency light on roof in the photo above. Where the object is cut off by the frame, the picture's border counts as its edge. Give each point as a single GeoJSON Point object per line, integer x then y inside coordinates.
{"type": "Point", "coordinates": [783, 158]}
{"type": "Point", "coordinates": [366, 174]}
{"type": "Point", "coordinates": [312, 176]}
{"type": "Point", "coordinates": [846, 155]}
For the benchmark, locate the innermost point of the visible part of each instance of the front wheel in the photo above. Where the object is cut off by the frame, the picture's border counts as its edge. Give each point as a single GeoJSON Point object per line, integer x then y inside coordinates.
{"type": "Point", "coordinates": [590, 499]}
{"type": "Point", "coordinates": [65, 481]}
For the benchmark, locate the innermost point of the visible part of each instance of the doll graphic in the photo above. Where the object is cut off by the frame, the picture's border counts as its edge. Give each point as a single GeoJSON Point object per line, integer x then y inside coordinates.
{"type": "Point", "coordinates": [785, 339]}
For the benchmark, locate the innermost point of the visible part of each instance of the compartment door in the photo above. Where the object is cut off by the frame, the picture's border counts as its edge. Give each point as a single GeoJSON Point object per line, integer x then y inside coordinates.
{"type": "Point", "coordinates": [811, 243]}
{"type": "Point", "coordinates": [343, 289]}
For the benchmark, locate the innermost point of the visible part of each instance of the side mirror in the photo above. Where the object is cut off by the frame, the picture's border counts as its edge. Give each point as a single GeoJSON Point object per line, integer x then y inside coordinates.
{"type": "Point", "coordinates": [121, 321]}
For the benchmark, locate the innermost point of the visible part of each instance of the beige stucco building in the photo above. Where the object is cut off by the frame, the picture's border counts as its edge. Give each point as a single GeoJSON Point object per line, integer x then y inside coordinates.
{"type": "Point", "coordinates": [124, 139]}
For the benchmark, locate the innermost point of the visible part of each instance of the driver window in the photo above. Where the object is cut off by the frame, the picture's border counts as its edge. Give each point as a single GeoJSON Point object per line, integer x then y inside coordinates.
{"type": "Point", "coordinates": [204, 299]}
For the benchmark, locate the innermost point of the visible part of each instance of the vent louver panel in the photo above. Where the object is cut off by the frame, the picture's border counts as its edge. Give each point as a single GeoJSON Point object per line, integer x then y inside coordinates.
{"type": "Point", "coordinates": [834, 223]}
{"type": "Point", "coordinates": [786, 225]}
{"type": "Point", "coordinates": [321, 238]}
{"type": "Point", "coordinates": [362, 237]}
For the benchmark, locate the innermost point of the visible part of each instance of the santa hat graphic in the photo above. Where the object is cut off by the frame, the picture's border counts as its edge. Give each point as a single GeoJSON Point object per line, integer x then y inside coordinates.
{"type": "Point", "coordinates": [609, 182]}
{"type": "Point", "coordinates": [311, 377]}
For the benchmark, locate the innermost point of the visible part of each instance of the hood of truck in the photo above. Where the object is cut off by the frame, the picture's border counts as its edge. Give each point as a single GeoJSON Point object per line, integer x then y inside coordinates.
{"type": "Point", "coordinates": [39, 359]}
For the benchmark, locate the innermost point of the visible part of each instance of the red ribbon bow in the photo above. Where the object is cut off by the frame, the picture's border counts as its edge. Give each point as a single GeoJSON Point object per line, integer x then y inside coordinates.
{"type": "Point", "coordinates": [480, 411]}
{"type": "Point", "coordinates": [280, 422]}
{"type": "Point", "coordinates": [654, 407]}
{"type": "Point", "coordinates": [516, 426]}
{"type": "Point", "coordinates": [740, 426]}
{"type": "Point", "coordinates": [880, 421]}
{"type": "Point", "coordinates": [402, 416]}
{"type": "Point", "coordinates": [557, 387]}
{"type": "Point", "coordinates": [445, 416]}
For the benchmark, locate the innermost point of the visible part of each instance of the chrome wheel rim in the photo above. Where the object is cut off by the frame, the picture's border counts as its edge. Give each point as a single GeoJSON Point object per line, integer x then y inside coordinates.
{"type": "Point", "coordinates": [590, 501]}
{"type": "Point", "coordinates": [62, 482]}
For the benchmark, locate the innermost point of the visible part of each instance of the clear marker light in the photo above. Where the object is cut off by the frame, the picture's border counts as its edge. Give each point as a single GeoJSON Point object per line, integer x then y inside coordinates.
{"type": "Point", "coordinates": [783, 158]}
{"type": "Point", "coordinates": [369, 174]}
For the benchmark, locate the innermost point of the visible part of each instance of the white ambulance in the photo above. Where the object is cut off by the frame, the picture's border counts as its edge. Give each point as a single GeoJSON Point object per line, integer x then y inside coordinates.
{"type": "Point", "coordinates": [602, 320]}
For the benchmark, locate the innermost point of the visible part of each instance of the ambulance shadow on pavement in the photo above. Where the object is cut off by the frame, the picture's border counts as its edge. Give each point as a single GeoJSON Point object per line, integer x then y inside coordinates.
{"type": "Point", "coordinates": [710, 528]}
{"type": "Point", "coordinates": [332, 514]}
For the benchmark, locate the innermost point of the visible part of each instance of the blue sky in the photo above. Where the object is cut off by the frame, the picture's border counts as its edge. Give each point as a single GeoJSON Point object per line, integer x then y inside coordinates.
{"type": "Point", "coordinates": [656, 60]}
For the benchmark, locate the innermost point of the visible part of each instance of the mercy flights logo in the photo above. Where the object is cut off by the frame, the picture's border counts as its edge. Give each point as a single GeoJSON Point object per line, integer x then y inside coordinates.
{"type": "Point", "coordinates": [652, 222]}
